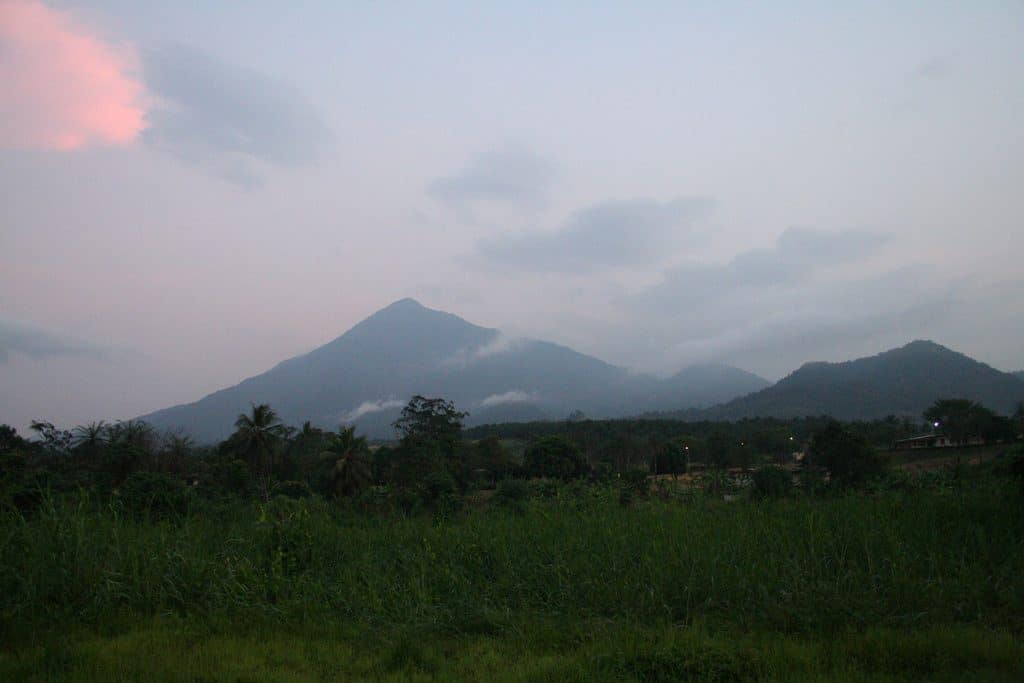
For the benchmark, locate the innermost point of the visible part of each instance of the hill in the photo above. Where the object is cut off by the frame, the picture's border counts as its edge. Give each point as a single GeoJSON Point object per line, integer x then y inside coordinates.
{"type": "Point", "coordinates": [902, 381]}
{"type": "Point", "coordinates": [366, 375]}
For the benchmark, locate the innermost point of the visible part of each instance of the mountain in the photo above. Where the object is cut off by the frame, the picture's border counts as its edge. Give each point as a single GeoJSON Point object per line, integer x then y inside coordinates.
{"type": "Point", "coordinates": [1019, 374]}
{"type": "Point", "coordinates": [708, 385]}
{"type": "Point", "coordinates": [365, 376]}
{"type": "Point", "coordinates": [902, 381]}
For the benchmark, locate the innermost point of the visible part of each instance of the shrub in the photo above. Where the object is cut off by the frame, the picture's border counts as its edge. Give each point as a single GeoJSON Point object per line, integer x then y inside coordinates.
{"type": "Point", "coordinates": [718, 482]}
{"type": "Point", "coordinates": [293, 489]}
{"type": "Point", "coordinates": [554, 457]}
{"type": "Point", "coordinates": [511, 492]}
{"type": "Point", "coordinates": [847, 456]}
{"type": "Point", "coordinates": [635, 480]}
{"type": "Point", "coordinates": [155, 493]}
{"type": "Point", "coordinates": [771, 482]}
{"type": "Point", "coordinates": [229, 477]}
{"type": "Point", "coordinates": [435, 485]}
{"type": "Point", "coordinates": [285, 539]}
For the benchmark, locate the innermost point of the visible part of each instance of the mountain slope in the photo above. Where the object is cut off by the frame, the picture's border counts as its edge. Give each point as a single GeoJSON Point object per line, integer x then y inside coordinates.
{"type": "Point", "coordinates": [902, 381]}
{"type": "Point", "coordinates": [708, 384]}
{"type": "Point", "coordinates": [366, 375]}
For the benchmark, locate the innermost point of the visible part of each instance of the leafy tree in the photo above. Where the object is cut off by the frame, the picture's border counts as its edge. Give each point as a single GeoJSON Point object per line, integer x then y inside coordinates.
{"type": "Point", "coordinates": [54, 441]}
{"type": "Point", "coordinates": [555, 457]}
{"type": "Point", "coordinates": [432, 420]}
{"type": "Point", "coordinates": [257, 436]}
{"type": "Point", "coordinates": [490, 455]}
{"type": "Point", "coordinates": [847, 456]}
{"type": "Point", "coordinates": [720, 449]}
{"type": "Point", "coordinates": [10, 440]}
{"type": "Point", "coordinates": [671, 458]}
{"type": "Point", "coordinates": [960, 419]}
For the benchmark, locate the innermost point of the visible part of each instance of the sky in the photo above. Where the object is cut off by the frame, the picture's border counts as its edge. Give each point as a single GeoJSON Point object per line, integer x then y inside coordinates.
{"type": "Point", "coordinates": [191, 192]}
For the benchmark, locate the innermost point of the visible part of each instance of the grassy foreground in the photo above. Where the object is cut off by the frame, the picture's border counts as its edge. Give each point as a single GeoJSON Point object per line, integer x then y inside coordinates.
{"type": "Point", "coordinates": [923, 584]}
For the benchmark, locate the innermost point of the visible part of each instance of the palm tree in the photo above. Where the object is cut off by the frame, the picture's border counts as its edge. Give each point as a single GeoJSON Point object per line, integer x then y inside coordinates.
{"type": "Point", "coordinates": [175, 451]}
{"type": "Point", "coordinates": [350, 471]}
{"type": "Point", "coordinates": [258, 434]}
{"type": "Point", "coordinates": [90, 438]}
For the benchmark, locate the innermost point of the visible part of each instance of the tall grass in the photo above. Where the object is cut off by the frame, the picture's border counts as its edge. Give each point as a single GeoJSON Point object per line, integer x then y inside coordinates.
{"type": "Point", "coordinates": [794, 566]}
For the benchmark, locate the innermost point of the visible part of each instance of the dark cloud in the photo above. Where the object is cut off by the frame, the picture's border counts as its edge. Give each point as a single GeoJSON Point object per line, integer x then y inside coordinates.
{"type": "Point", "coordinates": [215, 113]}
{"type": "Point", "coordinates": [511, 175]}
{"type": "Point", "coordinates": [15, 338]}
{"type": "Point", "coordinates": [632, 232]}
{"type": "Point", "coordinates": [797, 254]}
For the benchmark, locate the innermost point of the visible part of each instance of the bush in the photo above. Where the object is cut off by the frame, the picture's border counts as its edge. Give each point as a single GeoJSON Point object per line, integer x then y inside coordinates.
{"type": "Point", "coordinates": [848, 457]}
{"type": "Point", "coordinates": [285, 539]}
{"type": "Point", "coordinates": [718, 482]}
{"type": "Point", "coordinates": [436, 485]}
{"type": "Point", "coordinates": [155, 493]}
{"type": "Point", "coordinates": [511, 492]}
{"type": "Point", "coordinates": [293, 489]}
{"type": "Point", "coordinates": [635, 480]}
{"type": "Point", "coordinates": [229, 477]}
{"type": "Point", "coordinates": [771, 482]}
{"type": "Point", "coordinates": [554, 457]}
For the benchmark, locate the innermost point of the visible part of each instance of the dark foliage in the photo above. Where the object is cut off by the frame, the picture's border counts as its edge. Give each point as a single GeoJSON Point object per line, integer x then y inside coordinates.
{"type": "Point", "coordinates": [769, 481]}
{"type": "Point", "coordinates": [846, 455]}
{"type": "Point", "coordinates": [155, 494]}
{"type": "Point", "coordinates": [556, 458]}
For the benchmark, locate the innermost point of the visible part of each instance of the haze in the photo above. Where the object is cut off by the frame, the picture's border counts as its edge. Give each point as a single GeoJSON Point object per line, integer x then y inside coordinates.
{"type": "Point", "coordinates": [193, 192]}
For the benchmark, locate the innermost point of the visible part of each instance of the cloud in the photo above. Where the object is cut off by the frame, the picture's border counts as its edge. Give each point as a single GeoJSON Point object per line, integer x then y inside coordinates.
{"type": "Point", "coordinates": [215, 113]}
{"type": "Point", "coordinates": [500, 343]}
{"type": "Point", "coordinates": [506, 398]}
{"type": "Point", "coordinates": [39, 344]}
{"type": "Point", "coordinates": [797, 254]}
{"type": "Point", "coordinates": [935, 68]}
{"type": "Point", "coordinates": [630, 232]}
{"type": "Point", "coordinates": [367, 407]}
{"type": "Point", "coordinates": [513, 175]}
{"type": "Point", "coordinates": [63, 88]}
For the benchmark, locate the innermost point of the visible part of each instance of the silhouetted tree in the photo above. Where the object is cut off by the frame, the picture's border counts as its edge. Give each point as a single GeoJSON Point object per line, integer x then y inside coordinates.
{"type": "Point", "coordinates": [431, 419]}
{"type": "Point", "coordinates": [960, 419]}
{"type": "Point", "coordinates": [348, 466]}
{"type": "Point", "coordinates": [90, 439]}
{"type": "Point", "coordinates": [847, 456]}
{"type": "Point", "coordinates": [257, 436]}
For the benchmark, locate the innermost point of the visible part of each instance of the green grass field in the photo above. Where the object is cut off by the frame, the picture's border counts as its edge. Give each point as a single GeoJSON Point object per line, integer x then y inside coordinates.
{"type": "Point", "coordinates": [923, 584]}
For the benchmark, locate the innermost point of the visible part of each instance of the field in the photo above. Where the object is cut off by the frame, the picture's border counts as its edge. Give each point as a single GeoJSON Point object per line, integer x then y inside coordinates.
{"type": "Point", "coordinates": [920, 580]}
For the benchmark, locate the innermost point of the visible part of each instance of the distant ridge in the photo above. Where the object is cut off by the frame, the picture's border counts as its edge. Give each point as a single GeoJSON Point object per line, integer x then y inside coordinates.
{"type": "Point", "coordinates": [364, 377]}
{"type": "Point", "coordinates": [902, 381]}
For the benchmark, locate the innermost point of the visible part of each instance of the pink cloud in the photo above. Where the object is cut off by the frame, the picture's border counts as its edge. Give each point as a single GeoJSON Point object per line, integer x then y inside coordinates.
{"type": "Point", "coordinates": [63, 88]}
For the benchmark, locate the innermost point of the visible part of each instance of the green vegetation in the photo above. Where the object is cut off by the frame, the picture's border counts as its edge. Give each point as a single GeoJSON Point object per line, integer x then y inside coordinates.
{"type": "Point", "coordinates": [306, 555]}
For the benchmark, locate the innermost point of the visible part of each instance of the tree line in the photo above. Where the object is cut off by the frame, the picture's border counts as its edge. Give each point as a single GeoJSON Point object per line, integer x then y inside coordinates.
{"type": "Point", "coordinates": [434, 459]}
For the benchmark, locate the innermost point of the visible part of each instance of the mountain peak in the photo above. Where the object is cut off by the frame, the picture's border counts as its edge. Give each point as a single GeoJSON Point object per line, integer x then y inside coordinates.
{"type": "Point", "coordinates": [407, 303]}
{"type": "Point", "coordinates": [923, 345]}
{"type": "Point", "coordinates": [901, 381]}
